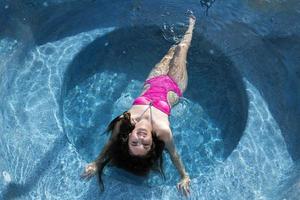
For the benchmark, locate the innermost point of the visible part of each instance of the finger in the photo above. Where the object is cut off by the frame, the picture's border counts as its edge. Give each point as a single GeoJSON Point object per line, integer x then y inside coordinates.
{"type": "Point", "coordinates": [183, 192]}
{"type": "Point", "coordinates": [82, 176]}
{"type": "Point", "coordinates": [86, 176]}
{"type": "Point", "coordinates": [186, 193]}
{"type": "Point", "coordinates": [188, 190]}
{"type": "Point", "coordinates": [180, 188]}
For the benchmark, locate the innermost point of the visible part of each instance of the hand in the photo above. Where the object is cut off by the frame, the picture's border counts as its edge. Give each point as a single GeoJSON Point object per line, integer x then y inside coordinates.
{"type": "Point", "coordinates": [90, 170]}
{"type": "Point", "coordinates": [184, 186]}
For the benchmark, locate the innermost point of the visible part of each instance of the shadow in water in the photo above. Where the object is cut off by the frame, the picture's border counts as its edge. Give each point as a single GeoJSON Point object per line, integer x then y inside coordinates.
{"type": "Point", "coordinates": [279, 81]}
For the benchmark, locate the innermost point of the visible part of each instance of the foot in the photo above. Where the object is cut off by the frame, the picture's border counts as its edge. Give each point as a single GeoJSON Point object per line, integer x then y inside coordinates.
{"type": "Point", "coordinates": [192, 20]}
{"type": "Point", "coordinates": [192, 17]}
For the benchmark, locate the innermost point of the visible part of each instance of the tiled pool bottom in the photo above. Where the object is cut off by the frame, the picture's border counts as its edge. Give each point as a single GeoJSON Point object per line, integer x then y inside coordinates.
{"type": "Point", "coordinates": [42, 160]}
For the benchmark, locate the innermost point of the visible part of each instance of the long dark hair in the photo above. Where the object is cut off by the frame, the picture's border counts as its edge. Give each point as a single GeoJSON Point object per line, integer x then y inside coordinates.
{"type": "Point", "coordinates": [117, 152]}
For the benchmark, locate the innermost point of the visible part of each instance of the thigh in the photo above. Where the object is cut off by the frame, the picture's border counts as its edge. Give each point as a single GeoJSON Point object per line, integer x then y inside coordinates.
{"type": "Point", "coordinates": [162, 68]}
{"type": "Point", "coordinates": [180, 76]}
{"type": "Point", "coordinates": [178, 71]}
{"type": "Point", "coordinates": [158, 70]}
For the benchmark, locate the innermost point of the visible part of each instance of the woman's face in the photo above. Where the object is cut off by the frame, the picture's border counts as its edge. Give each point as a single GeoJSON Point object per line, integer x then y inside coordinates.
{"type": "Point", "coordinates": [140, 139]}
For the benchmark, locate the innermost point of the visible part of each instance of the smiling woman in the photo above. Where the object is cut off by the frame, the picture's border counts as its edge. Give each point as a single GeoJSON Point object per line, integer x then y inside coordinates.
{"type": "Point", "coordinates": [140, 141]}
{"type": "Point", "coordinates": [117, 151]}
{"type": "Point", "coordinates": [139, 135]}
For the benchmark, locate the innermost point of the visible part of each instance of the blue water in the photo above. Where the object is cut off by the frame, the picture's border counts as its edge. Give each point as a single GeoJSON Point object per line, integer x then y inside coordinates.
{"type": "Point", "coordinates": [68, 67]}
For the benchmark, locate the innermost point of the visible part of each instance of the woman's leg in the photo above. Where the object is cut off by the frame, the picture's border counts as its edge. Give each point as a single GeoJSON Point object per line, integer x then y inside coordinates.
{"type": "Point", "coordinates": [177, 70]}
{"type": "Point", "coordinates": [162, 67]}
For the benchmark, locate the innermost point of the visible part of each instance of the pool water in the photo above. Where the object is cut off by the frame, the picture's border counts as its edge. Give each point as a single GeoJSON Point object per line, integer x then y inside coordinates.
{"type": "Point", "coordinates": [69, 67]}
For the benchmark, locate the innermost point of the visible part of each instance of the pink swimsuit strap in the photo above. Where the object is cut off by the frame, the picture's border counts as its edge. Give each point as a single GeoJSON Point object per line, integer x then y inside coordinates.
{"type": "Point", "coordinates": [158, 93]}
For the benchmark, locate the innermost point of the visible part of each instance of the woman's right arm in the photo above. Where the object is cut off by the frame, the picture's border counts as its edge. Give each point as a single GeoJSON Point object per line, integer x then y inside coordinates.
{"type": "Point", "coordinates": [92, 168]}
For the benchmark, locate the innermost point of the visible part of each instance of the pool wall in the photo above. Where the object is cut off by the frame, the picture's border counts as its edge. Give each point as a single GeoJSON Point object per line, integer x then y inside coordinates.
{"type": "Point", "coordinates": [40, 43]}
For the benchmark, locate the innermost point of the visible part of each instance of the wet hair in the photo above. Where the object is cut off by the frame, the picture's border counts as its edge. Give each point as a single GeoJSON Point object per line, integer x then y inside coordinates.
{"type": "Point", "coordinates": [118, 154]}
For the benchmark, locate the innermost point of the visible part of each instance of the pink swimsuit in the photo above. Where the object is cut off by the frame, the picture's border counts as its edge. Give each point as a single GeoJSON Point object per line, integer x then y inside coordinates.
{"type": "Point", "coordinates": [157, 94]}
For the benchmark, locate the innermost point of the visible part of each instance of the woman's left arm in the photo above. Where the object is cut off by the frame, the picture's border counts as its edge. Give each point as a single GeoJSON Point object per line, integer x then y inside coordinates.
{"type": "Point", "coordinates": [184, 184]}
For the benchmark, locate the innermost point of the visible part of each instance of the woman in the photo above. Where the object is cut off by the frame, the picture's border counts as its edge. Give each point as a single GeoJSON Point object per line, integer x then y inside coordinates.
{"type": "Point", "coordinates": [139, 135]}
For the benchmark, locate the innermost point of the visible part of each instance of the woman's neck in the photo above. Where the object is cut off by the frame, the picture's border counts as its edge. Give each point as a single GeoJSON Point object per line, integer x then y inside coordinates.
{"type": "Point", "coordinates": [143, 114]}
{"type": "Point", "coordinates": [140, 111]}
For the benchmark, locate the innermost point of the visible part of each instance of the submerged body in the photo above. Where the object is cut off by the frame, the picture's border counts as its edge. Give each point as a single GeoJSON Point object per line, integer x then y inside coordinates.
{"type": "Point", "coordinates": [139, 135]}
{"type": "Point", "coordinates": [151, 110]}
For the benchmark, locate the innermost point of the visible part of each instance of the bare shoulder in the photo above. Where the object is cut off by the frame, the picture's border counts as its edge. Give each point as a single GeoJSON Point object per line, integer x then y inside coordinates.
{"type": "Point", "coordinates": [164, 133]}
{"type": "Point", "coordinates": [166, 136]}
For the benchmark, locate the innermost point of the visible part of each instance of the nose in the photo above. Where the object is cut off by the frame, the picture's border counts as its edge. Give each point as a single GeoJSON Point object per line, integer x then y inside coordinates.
{"type": "Point", "coordinates": [139, 141]}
